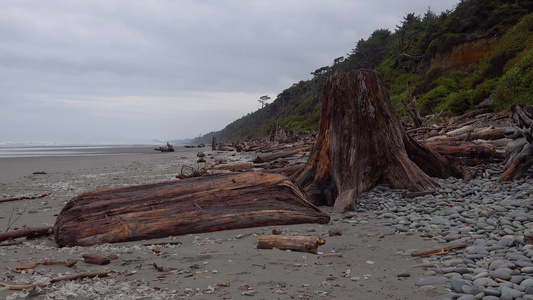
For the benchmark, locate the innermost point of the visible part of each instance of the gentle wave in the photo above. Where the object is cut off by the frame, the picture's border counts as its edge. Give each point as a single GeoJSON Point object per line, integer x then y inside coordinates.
{"type": "Point", "coordinates": [35, 150]}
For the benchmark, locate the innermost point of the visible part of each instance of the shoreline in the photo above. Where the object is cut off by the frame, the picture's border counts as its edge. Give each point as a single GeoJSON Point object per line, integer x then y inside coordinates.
{"type": "Point", "coordinates": [373, 251]}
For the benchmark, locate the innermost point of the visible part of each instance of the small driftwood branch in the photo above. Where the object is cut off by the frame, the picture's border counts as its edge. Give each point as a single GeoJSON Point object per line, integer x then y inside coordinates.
{"type": "Point", "coordinates": [81, 275]}
{"type": "Point", "coordinates": [20, 287]}
{"type": "Point", "coordinates": [330, 255]}
{"type": "Point", "coordinates": [295, 243]}
{"type": "Point", "coordinates": [47, 262]}
{"type": "Point", "coordinates": [444, 249]}
{"type": "Point", "coordinates": [24, 198]}
{"type": "Point", "coordinates": [29, 232]}
{"type": "Point", "coordinates": [54, 280]}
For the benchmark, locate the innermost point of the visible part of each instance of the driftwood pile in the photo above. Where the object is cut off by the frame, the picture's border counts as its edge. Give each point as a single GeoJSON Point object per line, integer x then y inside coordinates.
{"type": "Point", "coordinates": [519, 151]}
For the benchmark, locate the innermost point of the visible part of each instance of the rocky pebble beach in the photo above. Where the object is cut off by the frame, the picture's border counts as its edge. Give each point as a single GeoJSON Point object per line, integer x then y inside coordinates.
{"type": "Point", "coordinates": [491, 217]}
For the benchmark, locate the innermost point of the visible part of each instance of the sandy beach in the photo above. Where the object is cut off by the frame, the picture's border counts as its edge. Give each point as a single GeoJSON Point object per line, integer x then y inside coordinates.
{"type": "Point", "coordinates": [366, 264]}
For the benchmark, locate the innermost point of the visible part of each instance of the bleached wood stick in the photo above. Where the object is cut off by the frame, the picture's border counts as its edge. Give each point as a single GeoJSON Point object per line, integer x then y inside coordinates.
{"type": "Point", "coordinates": [295, 243]}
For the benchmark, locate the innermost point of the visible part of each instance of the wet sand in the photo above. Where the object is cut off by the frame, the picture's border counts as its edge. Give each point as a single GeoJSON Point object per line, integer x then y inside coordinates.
{"type": "Point", "coordinates": [217, 265]}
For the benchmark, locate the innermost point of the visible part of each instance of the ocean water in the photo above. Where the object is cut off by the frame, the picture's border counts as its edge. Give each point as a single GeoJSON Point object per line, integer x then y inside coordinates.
{"type": "Point", "coordinates": [48, 150]}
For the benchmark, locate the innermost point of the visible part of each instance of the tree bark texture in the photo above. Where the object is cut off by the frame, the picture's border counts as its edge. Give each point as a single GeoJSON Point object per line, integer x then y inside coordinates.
{"type": "Point", "coordinates": [194, 205]}
{"type": "Point", "coordinates": [519, 152]}
{"type": "Point", "coordinates": [362, 143]}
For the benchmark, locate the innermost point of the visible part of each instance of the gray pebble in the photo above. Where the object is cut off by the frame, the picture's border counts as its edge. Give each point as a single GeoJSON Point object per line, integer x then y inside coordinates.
{"type": "Point", "coordinates": [403, 274]}
{"type": "Point", "coordinates": [467, 297]}
{"type": "Point", "coordinates": [431, 281]}
{"type": "Point", "coordinates": [457, 285]}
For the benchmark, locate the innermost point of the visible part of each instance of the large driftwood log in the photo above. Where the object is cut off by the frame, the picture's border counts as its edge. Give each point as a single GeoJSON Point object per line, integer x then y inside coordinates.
{"type": "Point", "coordinates": [362, 143]}
{"type": "Point", "coordinates": [519, 152]}
{"type": "Point", "coordinates": [194, 205]}
{"type": "Point", "coordinates": [467, 149]}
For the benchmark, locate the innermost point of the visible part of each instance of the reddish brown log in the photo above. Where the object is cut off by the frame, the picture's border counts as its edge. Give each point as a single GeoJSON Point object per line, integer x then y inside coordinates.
{"type": "Point", "coordinates": [29, 232]}
{"type": "Point", "coordinates": [95, 259]}
{"type": "Point", "coordinates": [467, 149]}
{"type": "Point", "coordinates": [362, 143]}
{"type": "Point", "coordinates": [294, 243]}
{"type": "Point", "coordinates": [194, 205]}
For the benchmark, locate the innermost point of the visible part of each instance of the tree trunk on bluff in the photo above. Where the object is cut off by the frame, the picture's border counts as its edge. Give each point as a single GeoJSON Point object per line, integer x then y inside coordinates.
{"type": "Point", "coordinates": [362, 143]}
{"type": "Point", "coordinates": [194, 205]}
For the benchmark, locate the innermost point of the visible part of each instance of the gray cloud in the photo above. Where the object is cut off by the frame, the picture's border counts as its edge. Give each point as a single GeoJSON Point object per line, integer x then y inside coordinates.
{"type": "Point", "coordinates": [71, 70]}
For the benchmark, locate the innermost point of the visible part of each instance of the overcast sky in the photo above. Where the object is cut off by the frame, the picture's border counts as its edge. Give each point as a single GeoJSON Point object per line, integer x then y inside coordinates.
{"type": "Point", "coordinates": [122, 71]}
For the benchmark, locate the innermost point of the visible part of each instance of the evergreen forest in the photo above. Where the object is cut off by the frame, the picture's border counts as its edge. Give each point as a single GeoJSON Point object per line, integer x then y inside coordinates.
{"type": "Point", "coordinates": [478, 53]}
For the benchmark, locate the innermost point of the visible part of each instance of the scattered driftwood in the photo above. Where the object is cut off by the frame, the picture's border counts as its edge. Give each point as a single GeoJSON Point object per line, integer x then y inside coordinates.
{"type": "Point", "coordinates": [29, 232]}
{"type": "Point", "coordinates": [20, 287]}
{"type": "Point", "coordinates": [202, 204]}
{"type": "Point", "coordinates": [47, 262]}
{"type": "Point", "coordinates": [362, 143]}
{"type": "Point", "coordinates": [24, 198]}
{"type": "Point", "coordinates": [440, 250]}
{"type": "Point", "coordinates": [519, 152]}
{"type": "Point", "coordinates": [294, 243]}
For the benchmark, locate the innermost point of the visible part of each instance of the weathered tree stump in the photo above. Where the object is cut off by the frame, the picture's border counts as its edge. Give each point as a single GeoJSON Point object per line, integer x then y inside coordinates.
{"type": "Point", "coordinates": [194, 205]}
{"type": "Point", "coordinates": [362, 143]}
{"type": "Point", "coordinates": [519, 152]}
